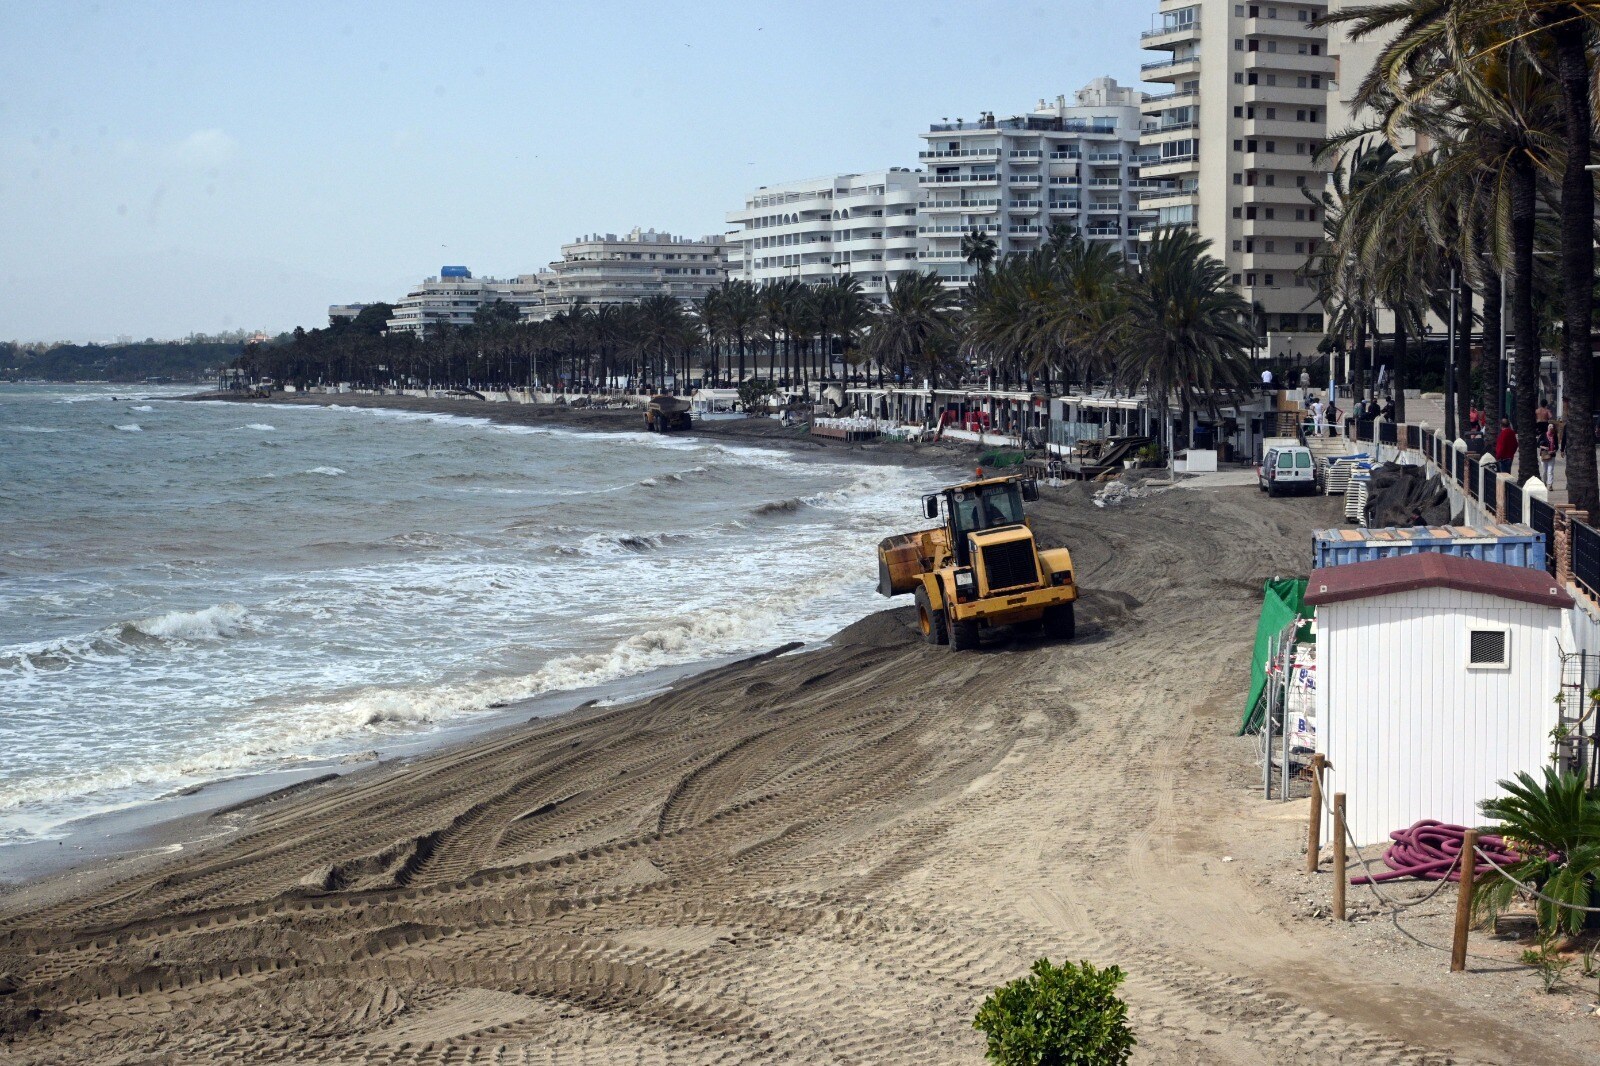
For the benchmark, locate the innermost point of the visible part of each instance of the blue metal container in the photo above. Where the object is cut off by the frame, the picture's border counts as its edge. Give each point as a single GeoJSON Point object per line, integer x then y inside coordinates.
{"type": "Point", "coordinates": [1509, 544]}
{"type": "Point", "coordinates": [454, 272]}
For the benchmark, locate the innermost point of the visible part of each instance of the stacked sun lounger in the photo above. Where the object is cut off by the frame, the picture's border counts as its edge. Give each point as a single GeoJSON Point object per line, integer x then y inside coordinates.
{"type": "Point", "coordinates": [1355, 496]}
{"type": "Point", "coordinates": [1336, 471]}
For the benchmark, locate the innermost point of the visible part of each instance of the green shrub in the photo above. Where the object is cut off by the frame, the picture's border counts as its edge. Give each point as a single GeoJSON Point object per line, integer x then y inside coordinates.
{"type": "Point", "coordinates": [1058, 1015]}
{"type": "Point", "coordinates": [756, 392]}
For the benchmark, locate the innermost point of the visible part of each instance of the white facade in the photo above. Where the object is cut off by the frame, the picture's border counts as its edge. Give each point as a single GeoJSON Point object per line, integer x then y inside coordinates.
{"type": "Point", "coordinates": [1015, 178]}
{"type": "Point", "coordinates": [1410, 728]}
{"type": "Point", "coordinates": [454, 300]}
{"type": "Point", "coordinates": [1237, 129]}
{"type": "Point", "coordinates": [610, 269]}
{"type": "Point", "coordinates": [861, 225]}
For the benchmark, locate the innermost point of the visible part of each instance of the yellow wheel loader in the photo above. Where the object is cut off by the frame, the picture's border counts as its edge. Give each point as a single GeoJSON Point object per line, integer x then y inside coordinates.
{"type": "Point", "coordinates": [980, 568]}
{"type": "Point", "coordinates": [665, 413]}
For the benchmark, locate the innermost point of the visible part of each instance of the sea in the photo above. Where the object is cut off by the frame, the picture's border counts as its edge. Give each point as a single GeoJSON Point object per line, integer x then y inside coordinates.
{"type": "Point", "coordinates": [192, 591]}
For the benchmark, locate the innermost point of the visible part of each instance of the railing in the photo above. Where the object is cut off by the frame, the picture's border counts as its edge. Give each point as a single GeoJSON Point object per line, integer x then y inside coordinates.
{"type": "Point", "coordinates": [1065, 179]}
{"type": "Point", "coordinates": [1469, 480]}
{"type": "Point", "coordinates": [1105, 157]}
{"type": "Point", "coordinates": [1026, 153]}
{"type": "Point", "coordinates": [1175, 27]}
{"type": "Point", "coordinates": [1026, 203]}
{"type": "Point", "coordinates": [1024, 230]}
{"type": "Point", "coordinates": [1387, 433]}
{"type": "Point", "coordinates": [1063, 205]}
{"type": "Point", "coordinates": [1486, 484]}
{"type": "Point", "coordinates": [1586, 558]}
{"type": "Point", "coordinates": [1413, 437]}
{"type": "Point", "coordinates": [1187, 157]}
{"type": "Point", "coordinates": [1511, 497]}
{"type": "Point", "coordinates": [957, 179]}
{"type": "Point", "coordinates": [958, 153]}
{"type": "Point", "coordinates": [1171, 62]}
{"type": "Point", "coordinates": [1542, 517]}
{"type": "Point", "coordinates": [1106, 183]}
{"type": "Point", "coordinates": [1066, 155]}
{"type": "Point", "coordinates": [981, 227]}
{"type": "Point", "coordinates": [1025, 179]}
{"type": "Point", "coordinates": [1164, 97]}
{"type": "Point", "coordinates": [959, 203]}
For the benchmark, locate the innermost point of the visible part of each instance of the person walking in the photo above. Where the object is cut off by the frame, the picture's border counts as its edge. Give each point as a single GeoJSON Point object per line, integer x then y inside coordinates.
{"type": "Point", "coordinates": [1505, 446]}
{"type": "Point", "coordinates": [1547, 456]}
{"type": "Point", "coordinates": [1316, 417]}
{"type": "Point", "coordinates": [1542, 418]}
{"type": "Point", "coordinates": [1474, 418]}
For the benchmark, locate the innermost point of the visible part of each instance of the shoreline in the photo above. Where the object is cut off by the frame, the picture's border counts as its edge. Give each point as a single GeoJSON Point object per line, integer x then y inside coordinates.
{"type": "Point", "coordinates": [149, 829]}
{"type": "Point", "coordinates": [753, 431]}
{"type": "Point", "coordinates": [106, 842]}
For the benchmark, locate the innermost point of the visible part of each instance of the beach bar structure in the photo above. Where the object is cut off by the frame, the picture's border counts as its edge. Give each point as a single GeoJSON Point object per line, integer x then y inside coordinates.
{"type": "Point", "coordinates": [1436, 680]}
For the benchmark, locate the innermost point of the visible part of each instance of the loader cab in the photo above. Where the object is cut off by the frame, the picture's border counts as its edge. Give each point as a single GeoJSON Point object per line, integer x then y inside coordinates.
{"type": "Point", "coordinates": [980, 505]}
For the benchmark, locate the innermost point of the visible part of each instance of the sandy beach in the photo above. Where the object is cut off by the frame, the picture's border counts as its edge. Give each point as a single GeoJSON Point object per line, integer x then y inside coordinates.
{"type": "Point", "coordinates": [819, 857]}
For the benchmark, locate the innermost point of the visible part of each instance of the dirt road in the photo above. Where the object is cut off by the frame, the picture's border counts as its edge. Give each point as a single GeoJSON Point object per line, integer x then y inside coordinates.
{"type": "Point", "coordinates": [819, 858]}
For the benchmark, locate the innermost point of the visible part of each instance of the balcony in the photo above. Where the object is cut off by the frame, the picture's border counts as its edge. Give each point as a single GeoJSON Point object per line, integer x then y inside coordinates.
{"type": "Point", "coordinates": [1285, 129]}
{"type": "Point", "coordinates": [1104, 158]}
{"type": "Point", "coordinates": [1063, 205]}
{"type": "Point", "coordinates": [1293, 62]}
{"type": "Point", "coordinates": [1024, 179]}
{"type": "Point", "coordinates": [1056, 156]}
{"type": "Point", "coordinates": [1104, 233]}
{"type": "Point", "coordinates": [1288, 95]}
{"type": "Point", "coordinates": [1025, 205]}
{"type": "Point", "coordinates": [1023, 232]}
{"type": "Point", "coordinates": [1103, 208]}
{"type": "Point", "coordinates": [1026, 155]}
{"type": "Point", "coordinates": [1292, 29]}
{"type": "Point", "coordinates": [1178, 97]}
{"type": "Point", "coordinates": [1152, 133]}
{"type": "Point", "coordinates": [1167, 69]}
{"type": "Point", "coordinates": [959, 205]}
{"type": "Point", "coordinates": [1281, 160]}
{"type": "Point", "coordinates": [1173, 32]}
{"type": "Point", "coordinates": [1171, 166]}
{"type": "Point", "coordinates": [959, 231]}
{"type": "Point", "coordinates": [961, 153]}
{"type": "Point", "coordinates": [1105, 183]}
{"type": "Point", "coordinates": [957, 179]}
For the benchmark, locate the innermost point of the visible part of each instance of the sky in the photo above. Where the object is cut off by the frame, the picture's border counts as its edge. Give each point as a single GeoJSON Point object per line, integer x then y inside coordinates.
{"type": "Point", "coordinates": [171, 168]}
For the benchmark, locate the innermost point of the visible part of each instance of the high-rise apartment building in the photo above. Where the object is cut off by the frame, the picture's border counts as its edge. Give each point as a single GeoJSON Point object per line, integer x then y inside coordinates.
{"type": "Point", "coordinates": [862, 225]}
{"type": "Point", "coordinates": [610, 269]}
{"type": "Point", "coordinates": [1015, 178]}
{"type": "Point", "coordinates": [455, 295]}
{"type": "Point", "coordinates": [1237, 132]}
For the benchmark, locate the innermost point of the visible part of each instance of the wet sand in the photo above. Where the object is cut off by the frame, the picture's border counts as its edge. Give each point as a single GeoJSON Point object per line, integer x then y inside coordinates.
{"type": "Point", "coordinates": [827, 857]}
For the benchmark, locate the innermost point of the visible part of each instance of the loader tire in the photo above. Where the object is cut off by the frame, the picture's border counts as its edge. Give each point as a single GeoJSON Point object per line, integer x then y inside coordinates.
{"type": "Point", "coordinates": [963, 636]}
{"type": "Point", "coordinates": [1061, 622]}
{"type": "Point", "coordinates": [930, 621]}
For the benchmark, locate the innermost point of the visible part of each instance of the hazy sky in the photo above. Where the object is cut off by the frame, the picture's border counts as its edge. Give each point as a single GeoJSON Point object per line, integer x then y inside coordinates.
{"type": "Point", "coordinates": [168, 168]}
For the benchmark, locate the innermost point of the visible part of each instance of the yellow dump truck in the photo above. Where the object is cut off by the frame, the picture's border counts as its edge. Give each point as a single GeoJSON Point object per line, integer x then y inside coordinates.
{"type": "Point", "coordinates": [980, 568]}
{"type": "Point", "coordinates": [665, 413]}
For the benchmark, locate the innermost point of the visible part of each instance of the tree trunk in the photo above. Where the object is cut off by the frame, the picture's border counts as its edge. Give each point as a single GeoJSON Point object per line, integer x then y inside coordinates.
{"type": "Point", "coordinates": [1577, 261]}
{"type": "Point", "coordinates": [1396, 380]}
{"type": "Point", "coordinates": [1358, 364]}
{"type": "Point", "coordinates": [1463, 398]}
{"type": "Point", "coordinates": [1526, 398]}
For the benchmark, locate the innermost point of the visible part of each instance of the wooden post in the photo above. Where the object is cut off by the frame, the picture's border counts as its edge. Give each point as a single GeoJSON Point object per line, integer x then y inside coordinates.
{"type": "Point", "coordinates": [1314, 826]}
{"type": "Point", "coordinates": [1340, 875]}
{"type": "Point", "coordinates": [1469, 865]}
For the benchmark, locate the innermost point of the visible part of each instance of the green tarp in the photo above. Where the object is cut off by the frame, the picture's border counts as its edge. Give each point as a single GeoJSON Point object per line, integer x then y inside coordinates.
{"type": "Point", "coordinates": [1282, 601]}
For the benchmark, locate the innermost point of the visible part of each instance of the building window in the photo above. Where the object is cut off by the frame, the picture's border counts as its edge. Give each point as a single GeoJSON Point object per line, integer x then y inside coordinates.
{"type": "Point", "coordinates": [1237, 213]}
{"type": "Point", "coordinates": [1238, 246]}
{"type": "Point", "coordinates": [1271, 212]}
{"type": "Point", "coordinates": [1238, 145]}
{"type": "Point", "coordinates": [1316, 81]}
{"type": "Point", "coordinates": [1267, 279]}
{"type": "Point", "coordinates": [1238, 179]}
{"type": "Point", "coordinates": [1236, 279]}
{"type": "Point", "coordinates": [1250, 279]}
{"type": "Point", "coordinates": [1238, 44]}
{"type": "Point", "coordinates": [1489, 649]}
{"type": "Point", "coordinates": [1272, 249]}
{"type": "Point", "coordinates": [1299, 247]}
{"type": "Point", "coordinates": [1238, 112]}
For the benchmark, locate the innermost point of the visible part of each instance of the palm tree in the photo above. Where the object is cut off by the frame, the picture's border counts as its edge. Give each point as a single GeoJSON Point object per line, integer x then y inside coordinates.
{"type": "Point", "coordinates": [741, 312]}
{"type": "Point", "coordinates": [1183, 328]}
{"type": "Point", "coordinates": [978, 248]}
{"type": "Point", "coordinates": [1554, 824]}
{"type": "Point", "coordinates": [1437, 41]}
{"type": "Point", "coordinates": [915, 328]}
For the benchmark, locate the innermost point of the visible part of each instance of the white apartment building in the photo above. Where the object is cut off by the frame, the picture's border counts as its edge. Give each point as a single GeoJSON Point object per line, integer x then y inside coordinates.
{"type": "Point", "coordinates": [455, 295]}
{"type": "Point", "coordinates": [610, 269]}
{"type": "Point", "coordinates": [863, 225]}
{"type": "Point", "coordinates": [1236, 131]}
{"type": "Point", "coordinates": [1015, 178]}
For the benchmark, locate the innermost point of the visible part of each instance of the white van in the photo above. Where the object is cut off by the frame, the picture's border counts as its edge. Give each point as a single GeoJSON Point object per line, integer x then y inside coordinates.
{"type": "Point", "coordinates": [1287, 468]}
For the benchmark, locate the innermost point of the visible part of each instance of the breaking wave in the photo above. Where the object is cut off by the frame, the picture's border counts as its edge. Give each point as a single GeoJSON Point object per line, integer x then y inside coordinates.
{"type": "Point", "coordinates": [131, 427]}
